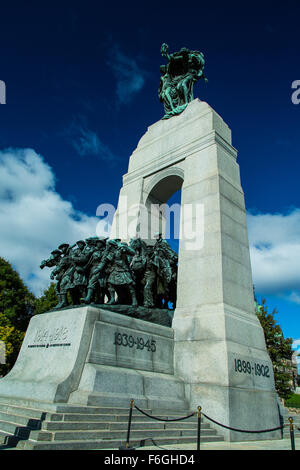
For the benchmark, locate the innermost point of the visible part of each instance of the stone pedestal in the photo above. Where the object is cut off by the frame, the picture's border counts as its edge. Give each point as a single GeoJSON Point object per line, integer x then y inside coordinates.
{"type": "Point", "coordinates": [220, 349]}
{"type": "Point", "coordinates": [92, 356]}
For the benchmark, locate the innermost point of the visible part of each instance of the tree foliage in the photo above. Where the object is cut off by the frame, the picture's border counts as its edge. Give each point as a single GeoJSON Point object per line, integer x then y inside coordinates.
{"type": "Point", "coordinates": [17, 306]}
{"type": "Point", "coordinates": [16, 302]}
{"type": "Point", "coordinates": [47, 301]}
{"type": "Point", "coordinates": [11, 342]}
{"type": "Point", "coordinates": [279, 349]}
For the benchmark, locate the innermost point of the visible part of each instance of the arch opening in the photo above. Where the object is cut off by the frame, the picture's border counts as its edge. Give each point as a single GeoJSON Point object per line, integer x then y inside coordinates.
{"type": "Point", "coordinates": [163, 205]}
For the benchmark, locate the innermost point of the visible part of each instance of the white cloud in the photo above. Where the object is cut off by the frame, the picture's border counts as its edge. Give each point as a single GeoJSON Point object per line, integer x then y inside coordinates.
{"type": "Point", "coordinates": [294, 297]}
{"type": "Point", "coordinates": [130, 78]}
{"type": "Point", "coordinates": [86, 142]}
{"type": "Point", "coordinates": [275, 253]}
{"type": "Point", "coordinates": [296, 344]}
{"type": "Point", "coordinates": [34, 218]}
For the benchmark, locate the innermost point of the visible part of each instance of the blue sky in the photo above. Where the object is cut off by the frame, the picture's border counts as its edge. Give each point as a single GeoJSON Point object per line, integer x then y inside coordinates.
{"type": "Point", "coordinates": [81, 89]}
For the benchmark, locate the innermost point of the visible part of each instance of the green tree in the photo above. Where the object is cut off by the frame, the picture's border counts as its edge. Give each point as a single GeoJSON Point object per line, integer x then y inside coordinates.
{"type": "Point", "coordinates": [11, 342]}
{"type": "Point", "coordinates": [279, 349]}
{"type": "Point", "coordinates": [47, 301]}
{"type": "Point", "coordinates": [16, 301]}
{"type": "Point", "coordinates": [17, 305]}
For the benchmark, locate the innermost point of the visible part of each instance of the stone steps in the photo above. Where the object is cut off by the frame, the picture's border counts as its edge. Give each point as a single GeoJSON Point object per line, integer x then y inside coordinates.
{"type": "Point", "coordinates": [118, 433]}
{"type": "Point", "coordinates": [113, 444]}
{"type": "Point", "coordinates": [112, 426]}
{"type": "Point", "coordinates": [63, 426]}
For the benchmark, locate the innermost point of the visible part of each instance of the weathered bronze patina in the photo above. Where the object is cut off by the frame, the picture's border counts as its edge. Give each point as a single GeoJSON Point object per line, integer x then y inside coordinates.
{"type": "Point", "coordinates": [178, 77]}
{"type": "Point", "coordinates": [99, 270]}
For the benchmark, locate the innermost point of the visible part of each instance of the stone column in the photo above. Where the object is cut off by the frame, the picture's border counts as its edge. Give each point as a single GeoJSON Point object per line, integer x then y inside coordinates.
{"type": "Point", "coordinates": [219, 344]}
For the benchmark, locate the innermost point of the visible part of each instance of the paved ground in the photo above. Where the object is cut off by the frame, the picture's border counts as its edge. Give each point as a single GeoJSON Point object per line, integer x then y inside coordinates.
{"type": "Point", "coordinates": [282, 444]}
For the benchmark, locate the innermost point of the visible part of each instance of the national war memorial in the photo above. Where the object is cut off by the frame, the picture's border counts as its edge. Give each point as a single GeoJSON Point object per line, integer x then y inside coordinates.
{"type": "Point", "coordinates": [172, 331]}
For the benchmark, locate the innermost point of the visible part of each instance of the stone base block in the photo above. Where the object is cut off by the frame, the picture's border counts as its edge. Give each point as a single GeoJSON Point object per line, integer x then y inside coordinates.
{"type": "Point", "coordinates": [92, 356]}
{"type": "Point", "coordinates": [52, 356]}
{"type": "Point", "coordinates": [246, 410]}
{"type": "Point", "coordinates": [111, 386]}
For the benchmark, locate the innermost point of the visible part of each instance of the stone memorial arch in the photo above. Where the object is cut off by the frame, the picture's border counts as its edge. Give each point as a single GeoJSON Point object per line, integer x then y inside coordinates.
{"type": "Point", "coordinates": [96, 353]}
{"type": "Point", "coordinates": [219, 342]}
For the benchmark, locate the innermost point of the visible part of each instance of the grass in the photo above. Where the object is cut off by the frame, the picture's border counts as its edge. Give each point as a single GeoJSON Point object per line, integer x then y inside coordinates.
{"type": "Point", "coordinates": [293, 402]}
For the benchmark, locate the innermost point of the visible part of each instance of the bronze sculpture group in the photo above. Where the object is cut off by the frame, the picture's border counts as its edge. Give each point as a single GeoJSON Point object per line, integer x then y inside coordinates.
{"type": "Point", "coordinates": [178, 77]}
{"type": "Point", "coordinates": [99, 270]}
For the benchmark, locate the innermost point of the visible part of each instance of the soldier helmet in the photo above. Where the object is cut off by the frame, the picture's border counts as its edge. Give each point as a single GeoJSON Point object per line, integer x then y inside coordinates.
{"type": "Point", "coordinates": [113, 242]}
{"type": "Point", "coordinates": [63, 245]}
{"type": "Point", "coordinates": [80, 242]}
{"type": "Point", "coordinates": [90, 239]}
{"type": "Point", "coordinates": [56, 252]}
{"type": "Point", "coordinates": [102, 240]}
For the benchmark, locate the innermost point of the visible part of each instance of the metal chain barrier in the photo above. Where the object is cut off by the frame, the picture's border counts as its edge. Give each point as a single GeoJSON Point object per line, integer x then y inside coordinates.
{"type": "Point", "coordinates": [162, 419]}
{"type": "Point", "coordinates": [292, 436]}
{"type": "Point", "coordinates": [199, 413]}
{"type": "Point", "coordinates": [142, 442]}
{"type": "Point", "coordinates": [243, 430]}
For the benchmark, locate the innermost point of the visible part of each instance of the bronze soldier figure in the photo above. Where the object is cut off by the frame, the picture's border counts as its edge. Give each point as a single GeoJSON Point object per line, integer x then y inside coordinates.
{"type": "Point", "coordinates": [63, 273]}
{"type": "Point", "coordinates": [120, 277]}
{"type": "Point", "coordinates": [97, 275]}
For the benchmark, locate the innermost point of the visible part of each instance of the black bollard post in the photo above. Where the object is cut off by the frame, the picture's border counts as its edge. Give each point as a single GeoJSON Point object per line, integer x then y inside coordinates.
{"type": "Point", "coordinates": [292, 436]}
{"type": "Point", "coordinates": [199, 428]}
{"type": "Point", "coordinates": [128, 429]}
